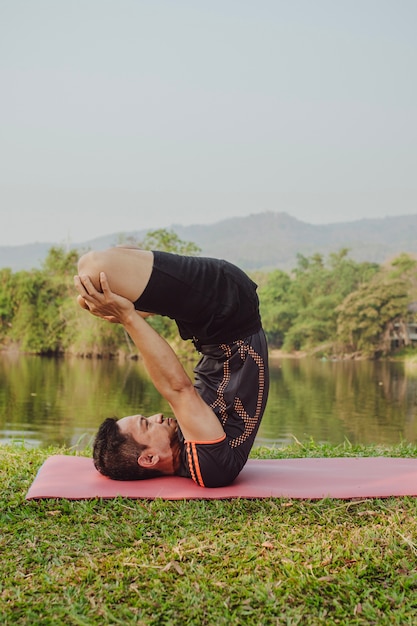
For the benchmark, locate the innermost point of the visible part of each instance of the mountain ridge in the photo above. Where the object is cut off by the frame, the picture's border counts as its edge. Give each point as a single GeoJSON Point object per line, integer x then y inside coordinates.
{"type": "Point", "coordinates": [269, 240]}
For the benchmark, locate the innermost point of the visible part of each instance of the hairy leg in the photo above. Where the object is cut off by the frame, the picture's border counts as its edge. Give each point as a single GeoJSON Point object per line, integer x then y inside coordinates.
{"type": "Point", "coordinates": [127, 269]}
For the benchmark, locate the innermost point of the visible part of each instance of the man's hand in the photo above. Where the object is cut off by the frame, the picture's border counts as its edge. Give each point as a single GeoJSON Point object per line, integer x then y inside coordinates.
{"type": "Point", "coordinates": [105, 304]}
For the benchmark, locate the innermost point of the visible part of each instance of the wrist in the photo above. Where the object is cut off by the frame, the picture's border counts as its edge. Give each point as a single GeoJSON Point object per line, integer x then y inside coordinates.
{"type": "Point", "coordinates": [131, 319]}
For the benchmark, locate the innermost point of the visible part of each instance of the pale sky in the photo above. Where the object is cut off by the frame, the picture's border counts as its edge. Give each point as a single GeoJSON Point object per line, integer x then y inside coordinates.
{"type": "Point", "coordinates": [119, 115]}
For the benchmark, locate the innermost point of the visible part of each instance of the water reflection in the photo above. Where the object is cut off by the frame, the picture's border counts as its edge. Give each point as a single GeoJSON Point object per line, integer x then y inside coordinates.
{"type": "Point", "coordinates": [364, 402]}
{"type": "Point", "coordinates": [58, 401]}
{"type": "Point", "coordinates": [62, 401]}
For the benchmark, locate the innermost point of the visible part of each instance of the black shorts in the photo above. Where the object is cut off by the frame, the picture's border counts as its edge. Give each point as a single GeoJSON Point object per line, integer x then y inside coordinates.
{"type": "Point", "coordinates": [233, 380]}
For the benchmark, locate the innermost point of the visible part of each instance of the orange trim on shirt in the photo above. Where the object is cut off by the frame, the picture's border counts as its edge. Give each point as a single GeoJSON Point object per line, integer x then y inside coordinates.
{"type": "Point", "coordinates": [190, 463]}
{"type": "Point", "coordinates": [200, 480]}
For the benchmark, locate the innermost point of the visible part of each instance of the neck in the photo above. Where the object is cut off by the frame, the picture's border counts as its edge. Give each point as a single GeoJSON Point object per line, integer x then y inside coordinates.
{"type": "Point", "coordinates": [176, 454]}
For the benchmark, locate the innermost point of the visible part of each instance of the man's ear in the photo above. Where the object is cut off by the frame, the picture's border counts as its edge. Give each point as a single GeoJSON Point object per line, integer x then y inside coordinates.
{"type": "Point", "coordinates": [147, 459]}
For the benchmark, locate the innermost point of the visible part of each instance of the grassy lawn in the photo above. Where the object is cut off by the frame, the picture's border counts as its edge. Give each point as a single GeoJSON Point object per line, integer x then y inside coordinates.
{"type": "Point", "coordinates": [205, 562]}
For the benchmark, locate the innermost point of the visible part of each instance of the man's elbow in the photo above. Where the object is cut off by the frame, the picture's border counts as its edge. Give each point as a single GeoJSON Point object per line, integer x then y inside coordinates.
{"type": "Point", "coordinates": [182, 385]}
{"type": "Point", "coordinates": [179, 389]}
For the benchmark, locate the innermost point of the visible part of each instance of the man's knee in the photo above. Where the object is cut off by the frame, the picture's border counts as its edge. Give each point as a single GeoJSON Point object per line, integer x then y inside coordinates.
{"type": "Point", "coordinates": [91, 264]}
{"type": "Point", "coordinates": [127, 270]}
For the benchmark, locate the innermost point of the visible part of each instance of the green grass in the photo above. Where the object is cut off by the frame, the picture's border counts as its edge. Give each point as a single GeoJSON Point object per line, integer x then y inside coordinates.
{"type": "Point", "coordinates": [245, 562]}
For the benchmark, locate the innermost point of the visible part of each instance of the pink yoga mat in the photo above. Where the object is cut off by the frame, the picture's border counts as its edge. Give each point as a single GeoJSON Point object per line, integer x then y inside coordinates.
{"type": "Point", "coordinates": [75, 478]}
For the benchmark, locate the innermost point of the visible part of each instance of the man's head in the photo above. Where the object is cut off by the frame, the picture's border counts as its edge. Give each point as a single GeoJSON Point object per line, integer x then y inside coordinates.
{"type": "Point", "coordinates": [136, 447]}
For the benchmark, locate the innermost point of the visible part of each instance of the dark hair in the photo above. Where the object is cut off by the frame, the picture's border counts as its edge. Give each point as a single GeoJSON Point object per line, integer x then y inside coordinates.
{"type": "Point", "coordinates": [116, 454]}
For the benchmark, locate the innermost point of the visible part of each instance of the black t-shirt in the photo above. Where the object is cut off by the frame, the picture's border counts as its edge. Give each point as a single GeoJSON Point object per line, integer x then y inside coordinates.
{"type": "Point", "coordinates": [211, 300]}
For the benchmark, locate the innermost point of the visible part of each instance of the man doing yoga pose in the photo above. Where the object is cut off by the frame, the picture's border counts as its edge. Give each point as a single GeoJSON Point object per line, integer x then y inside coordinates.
{"type": "Point", "coordinates": [215, 305]}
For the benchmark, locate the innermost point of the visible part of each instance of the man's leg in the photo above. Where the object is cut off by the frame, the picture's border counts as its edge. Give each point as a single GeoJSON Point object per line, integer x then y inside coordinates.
{"type": "Point", "coordinates": [196, 419]}
{"type": "Point", "coordinates": [127, 269]}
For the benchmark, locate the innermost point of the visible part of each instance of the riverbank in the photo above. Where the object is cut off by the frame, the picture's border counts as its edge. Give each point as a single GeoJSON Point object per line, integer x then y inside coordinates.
{"type": "Point", "coordinates": [186, 352]}
{"type": "Point", "coordinates": [407, 356]}
{"type": "Point", "coordinates": [275, 353]}
{"type": "Point", "coordinates": [206, 562]}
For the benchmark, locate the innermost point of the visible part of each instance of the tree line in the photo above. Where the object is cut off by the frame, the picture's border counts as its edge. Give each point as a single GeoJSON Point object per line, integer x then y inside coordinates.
{"type": "Point", "coordinates": [337, 306]}
{"type": "Point", "coordinates": [330, 306]}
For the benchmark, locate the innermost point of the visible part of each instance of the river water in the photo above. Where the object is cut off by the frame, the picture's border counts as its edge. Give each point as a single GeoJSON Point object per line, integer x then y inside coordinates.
{"type": "Point", "coordinates": [45, 401]}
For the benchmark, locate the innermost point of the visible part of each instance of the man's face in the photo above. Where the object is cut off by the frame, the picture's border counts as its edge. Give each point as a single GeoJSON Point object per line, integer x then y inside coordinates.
{"type": "Point", "coordinates": [157, 433]}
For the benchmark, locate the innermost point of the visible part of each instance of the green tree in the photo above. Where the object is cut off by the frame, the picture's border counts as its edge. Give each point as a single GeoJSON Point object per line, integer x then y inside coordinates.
{"type": "Point", "coordinates": [319, 286]}
{"type": "Point", "coordinates": [367, 316]}
{"type": "Point", "coordinates": [404, 266]}
{"type": "Point", "coordinates": [36, 325]}
{"type": "Point", "coordinates": [38, 308]}
{"type": "Point", "coordinates": [60, 263]}
{"type": "Point", "coordinates": [315, 326]}
{"type": "Point", "coordinates": [49, 320]}
{"type": "Point", "coordinates": [275, 309]}
{"type": "Point", "coordinates": [167, 240]}
{"type": "Point", "coordinates": [7, 283]}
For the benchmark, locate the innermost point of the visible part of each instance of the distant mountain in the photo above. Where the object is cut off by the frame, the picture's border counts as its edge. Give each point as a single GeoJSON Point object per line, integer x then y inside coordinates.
{"type": "Point", "coordinates": [262, 241]}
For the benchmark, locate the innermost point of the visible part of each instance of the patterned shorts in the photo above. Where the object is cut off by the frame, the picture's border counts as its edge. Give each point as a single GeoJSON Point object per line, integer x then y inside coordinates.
{"type": "Point", "coordinates": [233, 380]}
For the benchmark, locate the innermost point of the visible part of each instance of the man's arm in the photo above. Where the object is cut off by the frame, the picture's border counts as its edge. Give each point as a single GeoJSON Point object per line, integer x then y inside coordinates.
{"type": "Point", "coordinates": [197, 420]}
